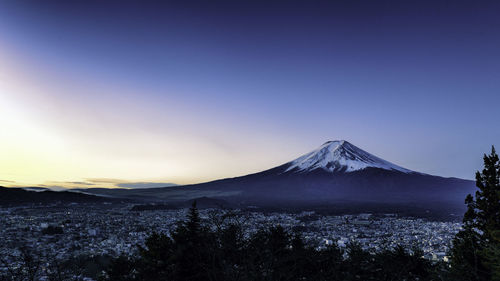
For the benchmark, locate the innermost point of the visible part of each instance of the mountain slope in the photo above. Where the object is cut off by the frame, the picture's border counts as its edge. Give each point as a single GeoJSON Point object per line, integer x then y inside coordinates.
{"type": "Point", "coordinates": [336, 171]}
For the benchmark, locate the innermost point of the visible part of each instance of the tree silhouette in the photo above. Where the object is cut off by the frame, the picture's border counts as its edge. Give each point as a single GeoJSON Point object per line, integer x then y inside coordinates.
{"type": "Point", "coordinates": [474, 254]}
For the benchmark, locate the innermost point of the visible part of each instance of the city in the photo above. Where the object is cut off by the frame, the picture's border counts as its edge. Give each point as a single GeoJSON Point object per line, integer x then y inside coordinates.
{"type": "Point", "coordinates": [92, 230]}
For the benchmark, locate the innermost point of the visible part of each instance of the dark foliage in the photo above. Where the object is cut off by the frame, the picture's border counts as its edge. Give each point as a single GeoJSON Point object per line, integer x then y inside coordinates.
{"type": "Point", "coordinates": [51, 230]}
{"type": "Point", "coordinates": [476, 249]}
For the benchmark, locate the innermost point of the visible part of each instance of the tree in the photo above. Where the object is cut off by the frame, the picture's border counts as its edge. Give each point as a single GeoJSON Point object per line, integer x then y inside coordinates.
{"type": "Point", "coordinates": [156, 261]}
{"type": "Point", "coordinates": [487, 203]}
{"type": "Point", "coordinates": [473, 256]}
{"type": "Point", "coordinates": [122, 269]}
{"type": "Point", "coordinates": [51, 230]}
{"type": "Point", "coordinates": [194, 250]}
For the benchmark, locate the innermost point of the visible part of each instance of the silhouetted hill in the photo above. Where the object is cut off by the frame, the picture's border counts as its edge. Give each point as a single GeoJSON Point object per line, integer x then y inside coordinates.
{"type": "Point", "coordinates": [19, 196]}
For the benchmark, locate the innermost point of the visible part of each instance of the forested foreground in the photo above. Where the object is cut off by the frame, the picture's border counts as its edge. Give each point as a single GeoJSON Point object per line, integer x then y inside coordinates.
{"type": "Point", "coordinates": [221, 251]}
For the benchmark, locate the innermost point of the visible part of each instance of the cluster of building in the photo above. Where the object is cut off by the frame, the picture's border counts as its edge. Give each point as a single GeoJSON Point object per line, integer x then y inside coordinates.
{"type": "Point", "coordinates": [98, 229]}
{"type": "Point", "coordinates": [372, 232]}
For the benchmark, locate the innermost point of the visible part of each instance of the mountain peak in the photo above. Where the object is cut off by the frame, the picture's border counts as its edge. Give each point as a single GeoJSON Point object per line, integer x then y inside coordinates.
{"type": "Point", "coordinates": [335, 142]}
{"type": "Point", "coordinates": [340, 156]}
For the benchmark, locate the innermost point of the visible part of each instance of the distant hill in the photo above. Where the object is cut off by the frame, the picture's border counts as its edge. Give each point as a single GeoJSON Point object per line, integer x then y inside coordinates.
{"type": "Point", "coordinates": [19, 196]}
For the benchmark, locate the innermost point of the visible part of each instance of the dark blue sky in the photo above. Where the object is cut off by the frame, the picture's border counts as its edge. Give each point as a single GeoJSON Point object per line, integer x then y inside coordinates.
{"type": "Point", "coordinates": [257, 83]}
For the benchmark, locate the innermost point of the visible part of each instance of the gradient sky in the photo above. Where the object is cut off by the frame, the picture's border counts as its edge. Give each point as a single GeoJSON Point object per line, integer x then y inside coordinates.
{"type": "Point", "coordinates": [128, 94]}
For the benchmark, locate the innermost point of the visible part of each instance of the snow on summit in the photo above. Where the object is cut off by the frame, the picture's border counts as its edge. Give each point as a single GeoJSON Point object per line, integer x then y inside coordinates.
{"type": "Point", "coordinates": [340, 156]}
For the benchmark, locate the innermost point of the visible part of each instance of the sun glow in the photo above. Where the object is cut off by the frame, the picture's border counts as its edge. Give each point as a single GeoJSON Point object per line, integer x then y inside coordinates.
{"type": "Point", "coordinates": [49, 138]}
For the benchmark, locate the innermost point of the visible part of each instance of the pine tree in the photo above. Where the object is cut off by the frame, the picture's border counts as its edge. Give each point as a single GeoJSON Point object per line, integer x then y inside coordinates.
{"type": "Point", "coordinates": [193, 252]}
{"type": "Point", "coordinates": [193, 225]}
{"type": "Point", "coordinates": [487, 204]}
{"type": "Point", "coordinates": [472, 254]}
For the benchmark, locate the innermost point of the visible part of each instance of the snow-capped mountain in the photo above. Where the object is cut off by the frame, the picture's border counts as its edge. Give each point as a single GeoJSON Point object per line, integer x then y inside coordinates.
{"type": "Point", "coordinates": [340, 156]}
{"type": "Point", "coordinates": [339, 171]}
{"type": "Point", "coordinates": [335, 173]}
